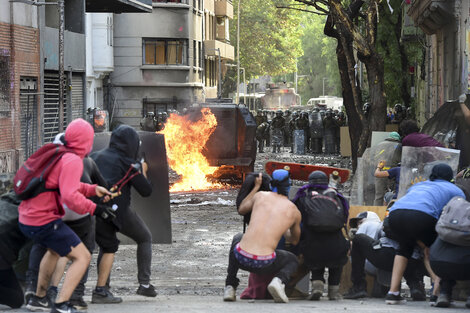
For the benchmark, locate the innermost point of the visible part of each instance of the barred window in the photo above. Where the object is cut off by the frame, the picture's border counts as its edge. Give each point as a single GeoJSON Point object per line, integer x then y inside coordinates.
{"type": "Point", "coordinates": [165, 51]}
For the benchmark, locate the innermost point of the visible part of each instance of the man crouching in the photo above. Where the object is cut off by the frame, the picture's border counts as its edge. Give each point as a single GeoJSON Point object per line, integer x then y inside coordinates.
{"type": "Point", "coordinates": [273, 215]}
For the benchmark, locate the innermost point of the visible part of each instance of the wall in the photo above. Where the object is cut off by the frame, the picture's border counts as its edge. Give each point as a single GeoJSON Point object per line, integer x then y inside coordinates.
{"type": "Point", "coordinates": [22, 55]}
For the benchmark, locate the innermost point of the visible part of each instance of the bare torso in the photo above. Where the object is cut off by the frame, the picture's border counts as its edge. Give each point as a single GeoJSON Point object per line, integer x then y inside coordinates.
{"type": "Point", "coordinates": [271, 216]}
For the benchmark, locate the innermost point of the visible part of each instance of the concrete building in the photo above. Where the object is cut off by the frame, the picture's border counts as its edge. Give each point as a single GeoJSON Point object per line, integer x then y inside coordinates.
{"type": "Point", "coordinates": [19, 83]}
{"type": "Point", "coordinates": [447, 42]}
{"type": "Point", "coordinates": [167, 59]}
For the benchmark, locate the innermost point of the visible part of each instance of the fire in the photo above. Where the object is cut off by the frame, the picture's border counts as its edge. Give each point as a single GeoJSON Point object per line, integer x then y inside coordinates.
{"type": "Point", "coordinates": [184, 141]}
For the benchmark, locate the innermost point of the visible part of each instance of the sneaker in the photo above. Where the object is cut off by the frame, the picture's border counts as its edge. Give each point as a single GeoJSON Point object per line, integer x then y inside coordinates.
{"type": "Point", "coordinates": [417, 292]}
{"type": "Point", "coordinates": [443, 301]}
{"type": "Point", "coordinates": [79, 304]}
{"type": "Point", "coordinates": [64, 307]}
{"type": "Point", "coordinates": [433, 300]}
{"type": "Point", "coordinates": [29, 293]}
{"type": "Point", "coordinates": [276, 289]}
{"type": "Point", "coordinates": [229, 293]}
{"type": "Point", "coordinates": [317, 290]}
{"type": "Point", "coordinates": [390, 298]}
{"type": "Point", "coordinates": [36, 304]}
{"type": "Point", "coordinates": [52, 293]}
{"type": "Point", "coordinates": [147, 291]}
{"type": "Point", "coordinates": [355, 293]}
{"type": "Point", "coordinates": [103, 295]}
{"type": "Point", "coordinates": [333, 292]}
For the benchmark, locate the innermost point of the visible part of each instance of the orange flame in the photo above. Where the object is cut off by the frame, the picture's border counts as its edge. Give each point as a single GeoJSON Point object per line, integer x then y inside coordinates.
{"type": "Point", "coordinates": [184, 141]}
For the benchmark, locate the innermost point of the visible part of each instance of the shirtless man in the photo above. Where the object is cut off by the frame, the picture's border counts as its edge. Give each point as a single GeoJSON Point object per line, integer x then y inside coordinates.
{"type": "Point", "coordinates": [273, 215]}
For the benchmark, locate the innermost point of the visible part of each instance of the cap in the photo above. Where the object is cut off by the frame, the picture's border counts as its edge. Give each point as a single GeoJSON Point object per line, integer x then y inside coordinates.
{"type": "Point", "coordinates": [369, 215]}
{"type": "Point", "coordinates": [441, 171]}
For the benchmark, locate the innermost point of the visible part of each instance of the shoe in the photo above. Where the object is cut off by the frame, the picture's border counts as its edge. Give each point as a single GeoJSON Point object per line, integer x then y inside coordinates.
{"type": "Point", "coordinates": [29, 292]}
{"type": "Point", "coordinates": [467, 303]}
{"type": "Point", "coordinates": [64, 307]}
{"type": "Point", "coordinates": [103, 295]}
{"type": "Point", "coordinates": [443, 301]}
{"type": "Point", "coordinates": [52, 293]}
{"type": "Point", "coordinates": [433, 300]}
{"type": "Point", "coordinates": [79, 304]}
{"type": "Point", "coordinates": [147, 291]}
{"type": "Point", "coordinates": [390, 298]}
{"type": "Point", "coordinates": [37, 304]}
{"type": "Point", "coordinates": [418, 293]}
{"type": "Point", "coordinates": [355, 293]}
{"type": "Point", "coordinates": [317, 290]}
{"type": "Point", "coordinates": [229, 293]}
{"type": "Point", "coordinates": [276, 289]}
{"type": "Point", "coordinates": [333, 292]}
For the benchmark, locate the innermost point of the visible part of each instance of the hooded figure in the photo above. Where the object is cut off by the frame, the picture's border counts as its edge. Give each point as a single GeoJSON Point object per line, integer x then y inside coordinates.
{"type": "Point", "coordinates": [117, 162]}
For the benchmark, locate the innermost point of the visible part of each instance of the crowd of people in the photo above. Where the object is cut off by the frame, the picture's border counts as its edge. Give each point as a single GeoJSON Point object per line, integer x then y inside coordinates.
{"type": "Point", "coordinates": [407, 243]}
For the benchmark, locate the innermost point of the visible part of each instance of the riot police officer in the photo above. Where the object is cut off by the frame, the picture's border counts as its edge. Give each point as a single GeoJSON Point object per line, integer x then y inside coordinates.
{"type": "Point", "coordinates": [262, 132]}
{"type": "Point", "coordinates": [399, 114]}
{"type": "Point", "coordinates": [291, 127]}
{"type": "Point", "coordinates": [259, 118]}
{"type": "Point", "coordinates": [316, 131]}
{"type": "Point", "coordinates": [287, 133]}
{"type": "Point", "coordinates": [277, 131]}
{"type": "Point", "coordinates": [148, 122]}
{"type": "Point", "coordinates": [330, 126]}
{"type": "Point", "coordinates": [302, 125]}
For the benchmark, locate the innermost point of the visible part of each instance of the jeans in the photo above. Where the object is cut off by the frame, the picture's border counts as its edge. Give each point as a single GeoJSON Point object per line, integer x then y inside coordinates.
{"type": "Point", "coordinates": [283, 266]}
{"type": "Point", "coordinates": [449, 273]}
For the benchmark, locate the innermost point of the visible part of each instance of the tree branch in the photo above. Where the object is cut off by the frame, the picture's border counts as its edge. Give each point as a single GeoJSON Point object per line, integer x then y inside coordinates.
{"type": "Point", "coordinates": [299, 9]}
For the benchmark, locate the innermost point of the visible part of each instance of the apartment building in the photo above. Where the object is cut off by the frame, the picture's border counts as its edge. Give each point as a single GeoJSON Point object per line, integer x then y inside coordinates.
{"type": "Point", "coordinates": [169, 59]}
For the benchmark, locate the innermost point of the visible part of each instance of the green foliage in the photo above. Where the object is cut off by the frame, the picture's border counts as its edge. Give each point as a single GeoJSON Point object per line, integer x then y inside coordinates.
{"type": "Point", "coordinates": [319, 60]}
{"type": "Point", "coordinates": [269, 37]}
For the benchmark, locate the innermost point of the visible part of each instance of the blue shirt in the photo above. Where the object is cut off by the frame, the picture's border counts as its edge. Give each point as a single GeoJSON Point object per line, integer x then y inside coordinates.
{"type": "Point", "coordinates": [428, 196]}
{"type": "Point", "coordinates": [394, 172]}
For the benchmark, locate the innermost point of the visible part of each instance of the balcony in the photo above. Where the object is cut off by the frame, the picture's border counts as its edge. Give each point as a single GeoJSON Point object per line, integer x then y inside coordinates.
{"type": "Point", "coordinates": [226, 51]}
{"type": "Point", "coordinates": [224, 8]}
{"type": "Point", "coordinates": [431, 15]}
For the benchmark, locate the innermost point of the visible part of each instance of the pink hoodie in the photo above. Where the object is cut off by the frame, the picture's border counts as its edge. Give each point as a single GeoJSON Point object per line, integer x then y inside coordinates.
{"type": "Point", "coordinates": [48, 206]}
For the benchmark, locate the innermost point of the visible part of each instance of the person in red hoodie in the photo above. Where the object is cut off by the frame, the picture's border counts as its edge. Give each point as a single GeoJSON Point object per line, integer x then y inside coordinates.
{"type": "Point", "coordinates": [40, 218]}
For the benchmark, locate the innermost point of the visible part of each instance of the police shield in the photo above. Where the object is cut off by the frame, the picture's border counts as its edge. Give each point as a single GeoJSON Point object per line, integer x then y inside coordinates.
{"type": "Point", "coordinates": [417, 163]}
{"type": "Point", "coordinates": [299, 141]}
{"type": "Point", "coordinates": [316, 125]}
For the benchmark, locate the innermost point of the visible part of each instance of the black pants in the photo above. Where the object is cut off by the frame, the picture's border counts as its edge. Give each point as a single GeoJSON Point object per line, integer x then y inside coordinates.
{"type": "Point", "coordinates": [136, 229]}
{"type": "Point", "coordinates": [85, 230]}
{"type": "Point", "coordinates": [449, 273]}
{"type": "Point", "coordinates": [283, 266]}
{"type": "Point", "coordinates": [365, 247]}
{"type": "Point", "coordinates": [11, 293]}
{"type": "Point", "coordinates": [409, 226]}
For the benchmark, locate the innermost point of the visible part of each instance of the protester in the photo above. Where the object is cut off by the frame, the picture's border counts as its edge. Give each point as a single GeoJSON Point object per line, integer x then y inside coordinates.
{"type": "Point", "coordinates": [391, 173]}
{"type": "Point", "coordinates": [273, 215]}
{"type": "Point", "coordinates": [40, 218]}
{"type": "Point", "coordinates": [371, 248]}
{"type": "Point", "coordinates": [412, 220]}
{"type": "Point", "coordinates": [323, 245]}
{"type": "Point", "coordinates": [409, 132]}
{"type": "Point", "coordinates": [119, 166]}
{"type": "Point", "coordinates": [11, 242]}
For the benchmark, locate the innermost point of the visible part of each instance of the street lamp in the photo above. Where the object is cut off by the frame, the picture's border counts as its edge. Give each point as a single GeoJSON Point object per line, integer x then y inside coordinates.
{"type": "Point", "coordinates": [238, 83]}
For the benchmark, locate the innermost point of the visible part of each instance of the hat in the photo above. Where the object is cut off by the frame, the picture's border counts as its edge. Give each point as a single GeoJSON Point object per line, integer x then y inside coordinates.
{"type": "Point", "coordinates": [394, 135]}
{"type": "Point", "coordinates": [441, 171]}
{"type": "Point", "coordinates": [280, 182]}
{"type": "Point", "coordinates": [318, 178]}
{"type": "Point", "coordinates": [369, 215]}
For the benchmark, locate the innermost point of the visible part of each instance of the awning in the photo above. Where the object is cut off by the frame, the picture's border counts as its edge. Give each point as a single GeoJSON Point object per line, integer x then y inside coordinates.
{"type": "Point", "coordinates": [119, 6]}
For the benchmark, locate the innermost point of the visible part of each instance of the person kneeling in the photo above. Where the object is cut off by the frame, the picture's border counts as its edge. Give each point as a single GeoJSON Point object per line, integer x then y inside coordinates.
{"type": "Point", "coordinates": [273, 215]}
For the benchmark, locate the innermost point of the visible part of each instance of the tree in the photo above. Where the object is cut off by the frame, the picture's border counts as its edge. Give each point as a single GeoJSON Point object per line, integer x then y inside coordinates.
{"type": "Point", "coordinates": [269, 37]}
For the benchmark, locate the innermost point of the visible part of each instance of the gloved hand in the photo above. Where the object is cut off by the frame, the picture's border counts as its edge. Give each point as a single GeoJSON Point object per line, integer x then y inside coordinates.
{"type": "Point", "coordinates": [462, 98]}
{"type": "Point", "coordinates": [104, 211]}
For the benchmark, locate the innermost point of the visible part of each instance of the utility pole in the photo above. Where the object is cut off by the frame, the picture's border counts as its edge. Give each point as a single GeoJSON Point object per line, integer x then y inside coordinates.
{"type": "Point", "coordinates": [238, 52]}
{"type": "Point", "coordinates": [61, 63]}
{"type": "Point", "coordinates": [324, 85]}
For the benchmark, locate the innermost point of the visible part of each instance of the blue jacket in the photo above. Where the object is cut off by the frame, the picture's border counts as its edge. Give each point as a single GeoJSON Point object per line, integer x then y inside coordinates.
{"type": "Point", "coordinates": [429, 197]}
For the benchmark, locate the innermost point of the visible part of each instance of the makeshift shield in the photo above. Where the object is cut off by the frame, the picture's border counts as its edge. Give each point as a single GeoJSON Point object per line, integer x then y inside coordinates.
{"type": "Point", "coordinates": [417, 163]}
{"type": "Point", "coordinates": [154, 210]}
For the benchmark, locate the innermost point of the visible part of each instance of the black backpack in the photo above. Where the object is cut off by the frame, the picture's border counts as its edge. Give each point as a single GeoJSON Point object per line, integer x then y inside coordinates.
{"type": "Point", "coordinates": [322, 211]}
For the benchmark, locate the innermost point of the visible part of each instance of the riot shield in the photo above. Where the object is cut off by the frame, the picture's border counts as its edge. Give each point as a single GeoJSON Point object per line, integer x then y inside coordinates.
{"type": "Point", "coordinates": [316, 125]}
{"type": "Point", "coordinates": [299, 141]}
{"type": "Point", "coordinates": [277, 137]}
{"type": "Point", "coordinates": [417, 163]}
{"type": "Point", "coordinates": [154, 210]}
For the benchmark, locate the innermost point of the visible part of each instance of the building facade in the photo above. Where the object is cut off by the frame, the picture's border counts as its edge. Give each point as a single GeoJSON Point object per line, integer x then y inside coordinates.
{"type": "Point", "coordinates": [169, 59]}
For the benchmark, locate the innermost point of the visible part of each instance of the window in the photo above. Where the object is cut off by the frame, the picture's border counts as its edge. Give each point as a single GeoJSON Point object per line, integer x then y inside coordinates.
{"type": "Point", "coordinates": [165, 51]}
{"type": "Point", "coordinates": [194, 53]}
{"type": "Point", "coordinates": [201, 55]}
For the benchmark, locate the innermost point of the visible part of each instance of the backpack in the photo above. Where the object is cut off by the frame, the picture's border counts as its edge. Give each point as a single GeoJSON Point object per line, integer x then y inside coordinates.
{"type": "Point", "coordinates": [453, 225]}
{"type": "Point", "coordinates": [30, 179]}
{"type": "Point", "coordinates": [322, 211]}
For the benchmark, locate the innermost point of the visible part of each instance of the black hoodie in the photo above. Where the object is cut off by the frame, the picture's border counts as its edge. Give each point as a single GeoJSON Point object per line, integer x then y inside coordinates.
{"type": "Point", "coordinates": [113, 163]}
